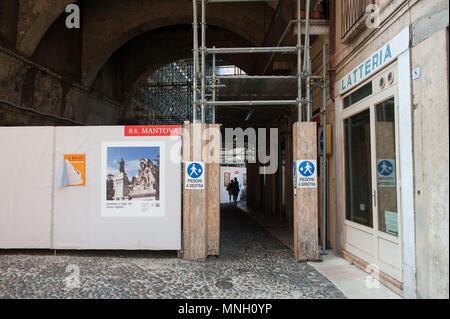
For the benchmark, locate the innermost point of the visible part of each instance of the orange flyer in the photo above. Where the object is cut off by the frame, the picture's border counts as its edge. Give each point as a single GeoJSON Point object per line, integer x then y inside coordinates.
{"type": "Point", "coordinates": [78, 162]}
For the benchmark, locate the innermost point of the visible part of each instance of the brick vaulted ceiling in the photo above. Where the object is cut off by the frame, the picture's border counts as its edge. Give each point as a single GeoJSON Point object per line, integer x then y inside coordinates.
{"type": "Point", "coordinates": [122, 41]}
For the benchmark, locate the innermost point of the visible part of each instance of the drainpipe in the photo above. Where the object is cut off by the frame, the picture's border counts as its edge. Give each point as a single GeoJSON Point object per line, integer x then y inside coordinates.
{"type": "Point", "coordinates": [332, 45]}
{"type": "Point", "coordinates": [324, 152]}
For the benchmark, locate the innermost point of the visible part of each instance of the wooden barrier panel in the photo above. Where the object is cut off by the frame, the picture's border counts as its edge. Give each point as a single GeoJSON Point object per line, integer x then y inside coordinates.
{"type": "Point", "coordinates": [212, 135]}
{"type": "Point", "coordinates": [201, 210]}
{"type": "Point", "coordinates": [306, 237]}
{"type": "Point", "coordinates": [186, 193]}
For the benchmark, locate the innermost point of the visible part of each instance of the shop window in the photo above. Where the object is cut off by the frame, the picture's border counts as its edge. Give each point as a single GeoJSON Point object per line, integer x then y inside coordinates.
{"type": "Point", "coordinates": [358, 178]}
{"type": "Point", "coordinates": [358, 95]}
{"type": "Point", "coordinates": [386, 168]}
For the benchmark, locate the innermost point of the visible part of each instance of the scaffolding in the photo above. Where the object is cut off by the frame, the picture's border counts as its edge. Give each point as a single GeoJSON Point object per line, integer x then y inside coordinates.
{"type": "Point", "coordinates": [304, 73]}
{"type": "Point", "coordinates": [304, 77]}
{"type": "Point", "coordinates": [166, 96]}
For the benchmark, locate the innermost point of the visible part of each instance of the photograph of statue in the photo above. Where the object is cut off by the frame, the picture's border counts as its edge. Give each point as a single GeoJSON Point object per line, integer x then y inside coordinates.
{"type": "Point", "coordinates": [132, 173]}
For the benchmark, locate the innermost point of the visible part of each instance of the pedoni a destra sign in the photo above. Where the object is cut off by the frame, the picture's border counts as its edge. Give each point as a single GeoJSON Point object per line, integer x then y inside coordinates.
{"type": "Point", "coordinates": [306, 173]}
{"type": "Point", "coordinates": [376, 61]}
{"type": "Point", "coordinates": [153, 130]}
{"type": "Point", "coordinates": [195, 175]}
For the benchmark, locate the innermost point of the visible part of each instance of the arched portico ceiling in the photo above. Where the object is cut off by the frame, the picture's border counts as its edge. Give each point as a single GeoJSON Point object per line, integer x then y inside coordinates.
{"type": "Point", "coordinates": [109, 24]}
{"type": "Point", "coordinates": [35, 18]}
{"type": "Point", "coordinates": [152, 50]}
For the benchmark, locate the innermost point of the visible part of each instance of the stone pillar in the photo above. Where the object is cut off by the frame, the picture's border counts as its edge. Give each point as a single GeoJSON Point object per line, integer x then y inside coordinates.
{"type": "Point", "coordinates": [306, 236]}
{"type": "Point", "coordinates": [121, 187]}
{"type": "Point", "coordinates": [201, 210]}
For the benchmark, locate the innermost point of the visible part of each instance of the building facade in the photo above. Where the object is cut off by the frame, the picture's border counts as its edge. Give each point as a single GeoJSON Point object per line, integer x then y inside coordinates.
{"type": "Point", "coordinates": [387, 172]}
{"type": "Point", "coordinates": [391, 142]}
{"type": "Point", "coordinates": [388, 106]}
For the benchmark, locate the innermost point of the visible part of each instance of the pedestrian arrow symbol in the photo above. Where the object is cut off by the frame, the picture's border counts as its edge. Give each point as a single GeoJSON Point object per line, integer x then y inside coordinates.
{"type": "Point", "coordinates": [386, 172]}
{"type": "Point", "coordinates": [306, 168]}
{"type": "Point", "coordinates": [195, 177]}
{"type": "Point", "coordinates": [385, 168]}
{"type": "Point", "coordinates": [307, 174]}
{"type": "Point", "coordinates": [195, 170]}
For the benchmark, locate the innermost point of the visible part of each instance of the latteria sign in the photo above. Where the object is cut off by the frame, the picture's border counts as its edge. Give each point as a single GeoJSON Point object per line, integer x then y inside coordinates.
{"type": "Point", "coordinates": [376, 61]}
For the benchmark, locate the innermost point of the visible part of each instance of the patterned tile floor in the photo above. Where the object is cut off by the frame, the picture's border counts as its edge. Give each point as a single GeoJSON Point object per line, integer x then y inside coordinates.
{"type": "Point", "coordinates": [253, 264]}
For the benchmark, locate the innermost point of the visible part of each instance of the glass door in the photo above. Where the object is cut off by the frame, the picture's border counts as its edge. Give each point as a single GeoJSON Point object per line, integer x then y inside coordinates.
{"type": "Point", "coordinates": [386, 167]}
{"type": "Point", "coordinates": [358, 167]}
{"type": "Point", "coordinates": [371, 183]}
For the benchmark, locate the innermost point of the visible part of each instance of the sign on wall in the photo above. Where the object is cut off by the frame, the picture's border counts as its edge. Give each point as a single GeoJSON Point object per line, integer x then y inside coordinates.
{"type": "Point", "coordinates": [321, 140]}
{"type": "Point", "coordinates": [195, 175]}
{"type": "Point", "coordinates": [386, 172]}
{"type": "Point", "coordinates": [306, 173]}
{"type": "Point", "coordinates": [391, 219]}
{"type": "Point", "coordinates": [132, 179]}
{"type": "Point", "coordinates": [154, 130]}
{"type": "Point", "coordinates": [76, 169]}
{"type": "Point", "coordinates": [377, 60]}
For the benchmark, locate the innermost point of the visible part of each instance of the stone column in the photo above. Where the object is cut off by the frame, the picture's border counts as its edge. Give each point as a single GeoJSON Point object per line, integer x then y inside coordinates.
{"type": "Point", "coordinates": [121, 187]}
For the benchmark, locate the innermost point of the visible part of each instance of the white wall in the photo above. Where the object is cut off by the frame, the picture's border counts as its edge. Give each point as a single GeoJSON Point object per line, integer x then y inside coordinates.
{"type": "Point", "coordinates": [431, 170]}
{"type": "Point", "coordinates": [26, 161]}
{"type": "Point", "coordinates": [234, 172]}
{"type": "Point", "coordinates": [34, 213]}
{"type": "Point", "coordinates": [79, 222]}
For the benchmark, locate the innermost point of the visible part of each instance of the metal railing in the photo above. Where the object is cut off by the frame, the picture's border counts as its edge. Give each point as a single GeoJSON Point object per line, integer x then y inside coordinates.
{"type": "Point", "coordinates": [353, 12]}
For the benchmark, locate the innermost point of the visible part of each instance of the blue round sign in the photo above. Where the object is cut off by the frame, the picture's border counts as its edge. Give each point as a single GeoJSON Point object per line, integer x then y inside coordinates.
{"type": "Point", "coordinates": [195, 170]}
{"type": "Point", "coordinates": [385, 168]}
{"type": "Point", "coordinates": [306, 168]}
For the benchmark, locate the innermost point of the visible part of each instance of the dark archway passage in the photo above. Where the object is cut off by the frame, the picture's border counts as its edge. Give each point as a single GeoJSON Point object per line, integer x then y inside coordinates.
{"type": "Point", "coordinates": [242, 237]}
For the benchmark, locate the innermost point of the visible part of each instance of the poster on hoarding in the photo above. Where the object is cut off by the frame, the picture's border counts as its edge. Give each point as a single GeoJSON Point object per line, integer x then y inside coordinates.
{"type": "Point", "coordinates": [132, 179]}
{"type": "Point", "coordinates": [75, 165]}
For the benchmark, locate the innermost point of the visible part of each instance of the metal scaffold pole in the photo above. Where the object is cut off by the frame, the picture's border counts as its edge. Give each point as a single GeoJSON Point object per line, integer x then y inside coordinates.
{"type": "Point", "coordinates": [324, 153]}
{"type": "Point", "coordinates": [307, 63]}
{"type": "Point", "coordinates": [203, 103]}
{"type": "Point", "coordinates": [195, 61]}
{"type": "Point", "coordinates": [304, 73]}
{"type": "Point", "coordinates": [214, 89]}
{"type": "Point", "coordinates": [252, 50]}
{"type": "Point", "coordinates": [299, 63]}
{"type": "Point", "coordinates": [303, 66]}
